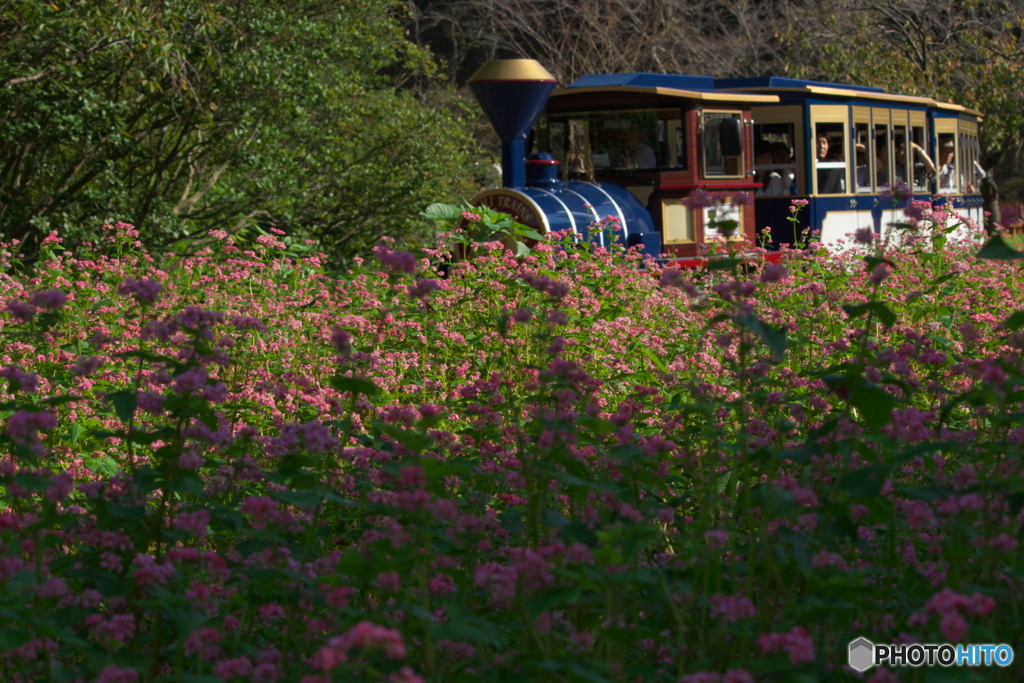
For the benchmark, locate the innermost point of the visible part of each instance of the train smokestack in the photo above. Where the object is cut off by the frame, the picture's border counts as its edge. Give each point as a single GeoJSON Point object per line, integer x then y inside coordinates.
{"type": "Point", "coordinates": [512, 93]}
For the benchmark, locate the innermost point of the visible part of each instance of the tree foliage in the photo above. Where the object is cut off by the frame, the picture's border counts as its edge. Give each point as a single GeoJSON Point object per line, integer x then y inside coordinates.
{"type": "Point", "coordinates": [970, 53]}
{"type": "Point", "coordinates": [185, 115]}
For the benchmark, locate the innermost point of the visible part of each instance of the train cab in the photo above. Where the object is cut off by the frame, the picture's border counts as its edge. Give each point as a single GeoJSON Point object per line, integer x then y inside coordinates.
{"type": "Point", "coordinates": [667, 155]}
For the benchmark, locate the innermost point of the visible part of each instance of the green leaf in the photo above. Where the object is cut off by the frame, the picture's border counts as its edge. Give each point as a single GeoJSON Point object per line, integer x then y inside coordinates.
{"type": "Point", "coordinates": [124, 404]}
{"type": "Point", "coordinates": [553, 518]}
{"type": "Point", "coordinates": [773, 337]}
{"type": "Point", "coordinates": [442, 212]}
{"type": "Point", "coordinates": [530, 233]}
{"type": "Point", "coordinates": [355, 385]}
{"type": "Point", "coordinates": [414, 441]}
{"type": "Point", "coordinates": [464, 626]}
{"type": "Point", "coordinates": [723, 263]}
{"type": "Point", "coordinates": [301, 499]}
{"type": "Point", "coordinates": [1015, 321]}
{"type": "Point", "coordinates": [996, 249]}
{"type": "Point", "coordinates": [512, 520]}
{"type": "Point", "coordinates": [865, 482]}
{"type": "Point", "coordinates": [658, 362]}
{"type": "Point", "coordinates": [874, 404]}
{"type": "Point", "coordinates": [879, 309]}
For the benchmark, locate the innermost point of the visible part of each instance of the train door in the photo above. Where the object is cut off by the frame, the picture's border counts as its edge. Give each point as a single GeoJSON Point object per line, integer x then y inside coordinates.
{"type": "Point", "coordinates": [724, 164]}
{"type": "Point", "coordinates": [862, 167]}
{"type": "Point", "coordinates": [833, 208]}
{"type": "Point", "coordinates": [778, 143]}
{"type": "Point", "coordinates": [887, 172]}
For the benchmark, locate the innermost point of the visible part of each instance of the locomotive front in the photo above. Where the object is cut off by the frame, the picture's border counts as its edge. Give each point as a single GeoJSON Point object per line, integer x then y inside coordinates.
{"type": "Point", "coordinates": [512, 94]}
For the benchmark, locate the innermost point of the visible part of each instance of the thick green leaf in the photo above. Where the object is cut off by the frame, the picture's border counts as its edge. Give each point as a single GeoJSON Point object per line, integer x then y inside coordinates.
{"type": "Point", "coordinates": [773, 337]}
{"type": "Point", "coordinates": [355, 385]}
{"type": "Point", "coordinates": [1015, 321]}
{"type": "Point", "coordinates": [125, 403]}
{"type": "Point", "coordinates": [442, 212]}
{"type": "Point", "coordinates": [879, 309]}
{"type": "Point", "coordinates": [301, 499]}
{"type": "Point", "coordinates": [865, 482]}
{"type": "Point", "coordinates": [874, 404]}
{"type": "Point", "coordinates": [996, 249]}
{"type": "Point", "coordinates": [414, 441]}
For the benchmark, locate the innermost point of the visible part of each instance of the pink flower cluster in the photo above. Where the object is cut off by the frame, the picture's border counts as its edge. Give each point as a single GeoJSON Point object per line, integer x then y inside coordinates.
{"type": "Point", "coordinates": [365, 635]}
{"type": "Point", "coordinates": [948, 605]}
{"type": "Point", "coordinates": [796, 643]}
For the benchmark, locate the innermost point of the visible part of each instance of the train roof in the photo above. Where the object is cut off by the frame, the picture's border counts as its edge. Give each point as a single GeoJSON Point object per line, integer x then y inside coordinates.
{"type": "Point", "coordinates": [756, 90]}
{"type": "Point", "coordinates": [646, 80]}
{"type": "Point", "coordinates": [662, 85]}
{"type": "Point", "coordinates": [777, 82]}
{"type": "Point", "coordinates": [795, 86]}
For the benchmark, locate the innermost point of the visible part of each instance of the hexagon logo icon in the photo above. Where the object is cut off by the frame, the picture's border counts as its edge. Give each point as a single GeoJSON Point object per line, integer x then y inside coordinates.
{"type": "Point", "coordinates": [862, 654]}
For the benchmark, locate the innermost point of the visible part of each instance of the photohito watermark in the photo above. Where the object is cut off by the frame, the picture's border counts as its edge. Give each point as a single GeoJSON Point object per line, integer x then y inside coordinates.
{"type": "Point", "coordinates": [864, 654]}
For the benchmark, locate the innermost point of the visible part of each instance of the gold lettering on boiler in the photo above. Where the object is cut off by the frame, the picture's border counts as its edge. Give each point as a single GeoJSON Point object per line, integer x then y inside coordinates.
{"type": "Point", "coordinates": [515, 207]}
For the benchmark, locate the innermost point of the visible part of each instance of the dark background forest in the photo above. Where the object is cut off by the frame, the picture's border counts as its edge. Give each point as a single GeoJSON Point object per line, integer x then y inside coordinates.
{"type": "Point", "coordinates": [338, 121]}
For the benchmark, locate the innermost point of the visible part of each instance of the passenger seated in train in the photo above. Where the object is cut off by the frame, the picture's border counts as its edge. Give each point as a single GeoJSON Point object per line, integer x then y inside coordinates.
{"type": "Point", "coordinates": [863, 180]}
{"type": "Point", "coordinates": [882, 163]}
{"type": "Point", "coordinates": [831, 172]}
{"type": "Point", "coordinates": [772, 184]}
{"type": "Point", "coordinates": [784, 156]}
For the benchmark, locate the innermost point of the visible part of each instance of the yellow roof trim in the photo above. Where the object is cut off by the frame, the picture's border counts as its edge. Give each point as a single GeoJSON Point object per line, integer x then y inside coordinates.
{"type": "Point", "coordinates": [956, 107]}
{"type": "Point", "coordinates": [859, 94]}
{"type": "Point", "coordinates": [671, 92]}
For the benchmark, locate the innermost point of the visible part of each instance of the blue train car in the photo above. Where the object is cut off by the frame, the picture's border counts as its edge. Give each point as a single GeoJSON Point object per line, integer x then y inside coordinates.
{"type": "Point", "coordinates": [849, 147]}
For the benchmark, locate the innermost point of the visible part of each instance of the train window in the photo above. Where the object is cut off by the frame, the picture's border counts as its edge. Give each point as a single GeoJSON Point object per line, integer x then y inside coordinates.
{"type": "Point", "coordinates": [614, 141]}
{"type": "Point", "coordinates": [624, 141]}
{"type": "Point", "coordinates": [973, 174]}
{"type": "Point", "coordinates": [774, 167]}
{"type": "Point", "coordinates": [829, 158]}
{"type": "Point", "coordinates": [948, 175]}
{"type": "Point", "coordinates": [672, 144]}
{"type": "Point", "coordinates": [862, 143]}
{"type": "Point", "coordinates": [881, 149]}
{"type": "Point", "coordinates": [556, 140]}
{"type": "Point", "coordinates": [923, 166]}
{"type": "Point", "coordinates": [719, 158]}
{"type": "Point", "coordinates": [900, 158]}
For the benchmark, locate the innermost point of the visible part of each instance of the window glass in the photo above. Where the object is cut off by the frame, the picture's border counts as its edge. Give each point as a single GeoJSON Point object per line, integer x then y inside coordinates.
{"type": "Point", "coordinates": [618, 140]}
{"type": "Point", "coordinates": [882, 157]}
{"type": "Point", "coordinates": [716, 162]}
{"type": "Point", "coordinates": [829, 158]}
{"type": "Point", "coordinates": [947, 165]}
{"type": "Point", "coordinates": [923, 166]}
{"type": "Point", "coordinates": [862, 169]}
{"type": "Point", "coordinates": [972, 175]}
{"type": "Point", "coordinates": [774, 165]}
{"type": "Point", "coordinates": [672, 144]}
{"type": "Point", "coordinates": [900, 159]}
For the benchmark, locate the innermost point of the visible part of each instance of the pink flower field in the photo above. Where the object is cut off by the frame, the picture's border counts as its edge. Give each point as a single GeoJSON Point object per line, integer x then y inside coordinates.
{"type": "Point", "coordinates": [572, 465]}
